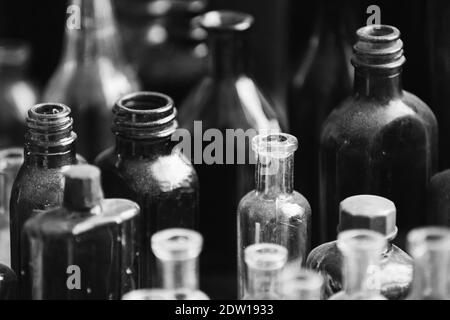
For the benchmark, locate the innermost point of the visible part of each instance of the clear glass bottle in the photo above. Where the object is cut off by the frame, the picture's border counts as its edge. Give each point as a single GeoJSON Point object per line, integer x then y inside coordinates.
{"type": "Point", "coordinates": [227, 98]}
{"type": "Point", "coordinates": [17, 93]}
{"type": "Point", "coordinates": [372, 213]}
{"type": "Point", "coordinates": [322, 80]}
{"type": "Point", "coordinates": [264, 264]}
{"type": "Point", "coordinates": [86, 249]}
{"type": "Point", "coordinates": [145, 167]}
{"type": "Point", "coordinates": [274, 212]}
{"type": "Point", "coordinates": [49, 151]}
{"type": "Point", "coordinates": [430, 249]}
{"type": "Point", "coordinates": [166, 49]}
{"type": "Point", "coordinates": [382, 135]}
{"type": "Point", "coordinates": [177, 252]}
{"type": "Point", "coordinates": [361, 251]}
{"type": "Point", "coordinates": [303, 285]}
{"type": "Point", "coordinates": [92, 74]}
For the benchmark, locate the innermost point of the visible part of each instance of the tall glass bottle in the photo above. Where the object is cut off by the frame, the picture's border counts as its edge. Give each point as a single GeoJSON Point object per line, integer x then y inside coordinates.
{"type": "Point", "coordinates": [322, 80]}
{"type": "Point", "coordinates": [227, 98]}
{"type": "Point", "coordinates": [84, 250]}
{"type": "Point", "coordinates": [361, 251]}
{"type": "Point", "coordinates": [264, 264]}
{"type": "Point", "coordinates": [92, 74]}
{"type": "Point", "coordinates": [144, 166]}
{"type": "Point", "coordinates": [17, 93]}
{"type": "Point", "coordinates": [303, 285]}
{"type": "Point", "coordinates": [166, 49]}
{"type": "Point", "coordinates": [274, 212]}
{"type": "Point", "coordinates": [49, 151]}
{"type": "Point", "coordinates": [430, 248]}
{"type": "Point", "coordinates": [371, 213]}
{"type": "Point", "coordinates": [177, 252]}
{"type": "Point", "coordinates": [382, 140]}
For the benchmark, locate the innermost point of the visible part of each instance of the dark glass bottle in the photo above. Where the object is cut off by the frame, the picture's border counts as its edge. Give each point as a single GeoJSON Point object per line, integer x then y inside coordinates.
{"type": "Point", "coordinates": [372, 213]}
{"type": "Point", "coordinates": [382, 140]}
{"type": "Point", "coordinates": [145, 167]}
{"type": "Point", "coordinates": [166, 49]}
{"type": "Point", "coordinates": [438, 200]}
{"type": "Point", "coordinates": [17, 93]}
{"type": "Point", "coordinates": [84, 250]}
{"type": "Point", "coordinates": [92, 74]}
{"type": "Point", "coordinates": [322, 81]}
{"type": "Point", "coordinates": [49, 150]}
{"type": "Point", "coordinates": [227, 98]}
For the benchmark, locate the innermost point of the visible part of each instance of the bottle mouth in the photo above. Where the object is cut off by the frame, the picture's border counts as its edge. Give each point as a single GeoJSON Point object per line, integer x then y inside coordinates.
{"type": "Point", "coordinates": [266, 256]}
{"type": "Point", "coordinates": [177, 244]}
{"type": "Point", "coordinates": [14, 52]}
{"type": "Point", "coordinates": [148, 294]}
{"type": "Point", "coordinates": [10, 158]}
{"type": "Point", "coordinates": [361, 241]}
{"type": "Point", "coordinates": [435, 239]}
{"type": "Point", "coordinates": [275, 144]}
{"type": "Point", "coordinates": [225, 21]}
{"type": "Point", "coordinates": [144, 115]}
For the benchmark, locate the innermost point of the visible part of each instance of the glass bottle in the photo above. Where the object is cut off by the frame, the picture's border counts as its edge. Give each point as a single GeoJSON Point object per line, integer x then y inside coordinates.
{"type": "Point", "coordinates": [376, 214]}
{"type": "Point", "coordinates": [145, 167]}
{"type": "Point", "coordinates": [322, 80]}
{"type": "Point", "coordinates": [166, 49]}
{"type": "Point", "coordinates": [17, 93]}
{"type": "Point", "coordinates": [264, 263]}
{"type": "Point", "coordinates": [177, 252]}
{"type": "Point", "coordinates": [430, 249]}
{"type": "Point", "coordinates": [303, 285]}
{"type": "Point", "coordinates": [227, 98]}
{"type": "Point", "coordinates": [49, 150]}
{"type": "Point", "coordinates": [438, 201]}
{"type": "Point", "coordinates": [382, 140]}
{"type": "Point", "coordinates": [84, 250]}
{"type": "Point", "coordinates": [274, 212]}
{"type": "Point", "coordinates": [361, 251]}
{"type": "Point", "coordinates": [92, 74]}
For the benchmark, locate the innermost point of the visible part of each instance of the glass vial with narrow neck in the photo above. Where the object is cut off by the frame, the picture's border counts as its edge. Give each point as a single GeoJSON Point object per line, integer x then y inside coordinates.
{"type": "Point", "coordinates": [430, 249]}
{"type": "Point", "coordinates": [273, 212]}
{"type": "Point", "coordinates": [303, 285]}
{"type": "Point", "coordinates": [39, 185]}
{"type": "Point", "coordinates": [382, 140]}
{"type": "Point", "coordinates": [146, 167]}
{"type": "Point", "coordinates": [86, 249]}
{"type": "Point", "coordinates": [92, 74]}
{"type": "Point", "coordinates": [177, 252]}
{"type": "Point", "coordinates": [264, 264]}
{"type": "Point", "coordinates": [361, 251]}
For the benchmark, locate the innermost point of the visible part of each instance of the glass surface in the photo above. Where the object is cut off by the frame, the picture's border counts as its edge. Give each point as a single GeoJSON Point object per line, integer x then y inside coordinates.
{"type": "Point", "coordinates": [438, 201]}
{"type": "Point", "coordinates": [302, 285]}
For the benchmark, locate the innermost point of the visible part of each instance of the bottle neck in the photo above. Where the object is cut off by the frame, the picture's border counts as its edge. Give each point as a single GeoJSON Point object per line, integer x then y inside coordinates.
{"type": "Point", "coordinates": [274, 176]}
{"type": "Point", "coordinates": [179, 274]}
{"type": "Point", "coordinates": [359, 272]}
{"type": "Point", "coordinates": [263, 284]}
{"type": "Point", "coordinates": [147, 148]}
{"type": "Point", "coordinates": [381, 86]}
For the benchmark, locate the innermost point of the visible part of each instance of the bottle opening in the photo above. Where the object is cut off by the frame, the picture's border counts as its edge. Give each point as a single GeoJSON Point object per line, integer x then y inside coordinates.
{"type": "Point", "coordinates": [430, 238]}
{"type": "Point", "coordinates": [49, 111]}
{"type": "Point", "coordinates": [265, 256]}
{"type": "Point", "coordinates": [147, 294]}
{"type": "Point", "coordinates": [224, 20]}
{"type": "Point", "coordinates": [277, 145]}
{"type": "Point", "coordinates": [14, 52]}
{"type": "Point", "coordinates": [177, 244]}
{"type": "Point", "coordinates": [146, 101]}
{"type": "Point", "coordinates": [378, 33]}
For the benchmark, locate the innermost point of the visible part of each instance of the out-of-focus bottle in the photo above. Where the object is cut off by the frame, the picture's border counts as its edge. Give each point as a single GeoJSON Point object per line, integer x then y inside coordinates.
{"type": "Point", "coordinates": [273, 212]}
{"type": "Point", "coordinates": [145, 167]}
{"type": "Point", "coordinates": [382, 140]}
{"type": "Point", "coordinates": [39, 185]}
{"type": "Point", "coordinates": [92, 74]}
{"type": "Point", "coordinates": [303, 285]}
{"type": "Point", "coordinates": [372, 213]}
{"type": "Point", "coordinates": [438, 200]}
{"type": "Point", "coordinates": [166, 49]}
{"type": "Point", "coordinates": [227, 98]}
{"type": "Point", "coordinates": [86, 249]}
{"type": "Point", "coordinates": [430, 249]}
{"type": "Point", "coordinates": [322, 80]}
{"type": "Point", "coordinates": [17, 93]}
{"type": "Point", "coordinates": [177, 252]}
{"type": "Point", "coordinates": [265, 263]}
{"type": "Point", "coordinates": [8, 283]}
{"type": "Point", "coordinates": [10, 162]}
{"type": "Point", "coordinates": [361, 251]}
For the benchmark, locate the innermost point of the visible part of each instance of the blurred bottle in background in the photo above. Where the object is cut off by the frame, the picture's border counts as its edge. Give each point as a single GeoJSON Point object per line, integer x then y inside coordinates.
{"type": "Point", "coordinates": [166, 49]}
{"type": "Point", "coordinates": [17, 93]}
{"type": "Point", "coordinates": [92, 73]}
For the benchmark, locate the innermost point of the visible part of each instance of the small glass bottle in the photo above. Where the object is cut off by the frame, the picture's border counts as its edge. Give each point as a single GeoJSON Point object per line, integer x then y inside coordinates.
{"type": "Point", "coordinates": [361, 251]}
{"type": "Point", "coordinates": [265, 263]}
{"type": "Point", "coordinates": [17, 93]}
{"type": "Point", "coordinates": [372, 213]}
{"type": "Point", "coordinates": [145, 167]}
{"type": "Point", "coordinates": [86, 249]}
{"type": "Point", "coordinates": [274, 212]}
{"type": "Point", "coordinates": [382, 140]}
{"type": "Point", "coordinates": [177, 252]}
{"type": "Point", "coordinates": [430, 249]}
{"type": "Point", "coordinates": [92, 73]}
{"type": "Point", "coordinates": [39, 185]}
{"type": "Point", "coordinates": [303, 285]}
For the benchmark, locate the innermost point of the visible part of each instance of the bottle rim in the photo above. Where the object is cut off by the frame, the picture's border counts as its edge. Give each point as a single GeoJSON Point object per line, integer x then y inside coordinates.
{"type": "Point", "coordinates": [275, 144]}
{"type": "Point", "coordinates": [429, 239]}
{"type": "Point", "coordinates": [225, 21]}
{"type": "Point", "coordinates": [177, 244]}
{"type": "Point", "coordinates": [266, 256]}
